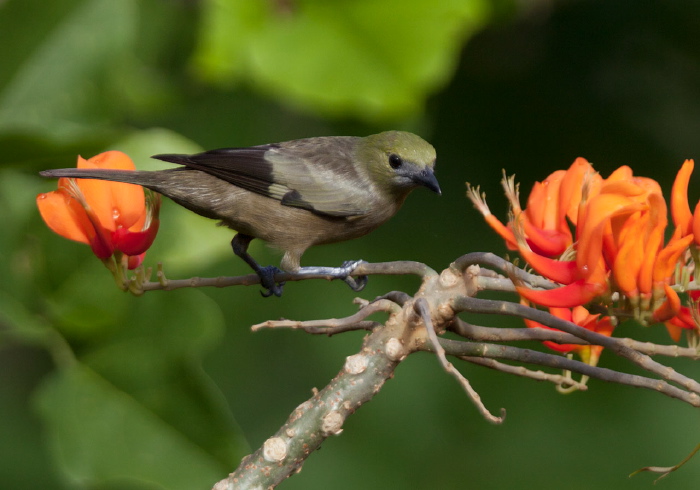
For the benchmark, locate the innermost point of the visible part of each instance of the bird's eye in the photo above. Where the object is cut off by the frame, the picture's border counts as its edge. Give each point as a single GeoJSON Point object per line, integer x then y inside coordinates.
{"type": "Point", "coordinates": [395, 161]}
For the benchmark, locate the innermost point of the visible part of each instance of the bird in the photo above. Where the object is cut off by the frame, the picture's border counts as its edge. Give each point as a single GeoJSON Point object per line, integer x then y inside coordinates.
{"type": "Point", "coordinates": [294, 194]}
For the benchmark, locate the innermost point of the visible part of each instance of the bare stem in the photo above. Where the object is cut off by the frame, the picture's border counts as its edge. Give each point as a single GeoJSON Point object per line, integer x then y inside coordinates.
{"type": "Point", "coordinates": [141, 282]}
{"type": "Point", "coordinates": [333, 326]}
{"type": "Point", "coordinates": [476, 305]}
{"type": "Point", "coordinates": [423, 309]}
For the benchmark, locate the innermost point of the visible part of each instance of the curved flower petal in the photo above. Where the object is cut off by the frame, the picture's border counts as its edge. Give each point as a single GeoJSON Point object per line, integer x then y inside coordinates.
{"type": "Point", "coordinates": [696, 223]}
{"type": "Point", "coordinates": [115, 204]}
{"type": "Point", "coordinates": [571, 189]}
{"type": "Point", "coordinates": [65, 216]}
{"type": "Point", "coordinates": [575, 294]}
{"type": "Point", "coordinates": [680, 209]}
{"type": "Point", "coordinates": [667, 259]}
{"type": "Point", "coordinates": [134, 242]}
{"type": "Point", "coordinates": [668, 308]}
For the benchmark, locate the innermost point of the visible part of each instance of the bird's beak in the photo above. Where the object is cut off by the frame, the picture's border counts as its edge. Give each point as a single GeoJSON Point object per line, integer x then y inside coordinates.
{"type": "Point", "coordinates": [427, 179]}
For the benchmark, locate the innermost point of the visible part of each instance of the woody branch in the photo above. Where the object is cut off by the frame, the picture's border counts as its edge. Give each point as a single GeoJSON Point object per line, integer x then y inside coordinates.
{"type": "Point", "coordinates": [417, 323]}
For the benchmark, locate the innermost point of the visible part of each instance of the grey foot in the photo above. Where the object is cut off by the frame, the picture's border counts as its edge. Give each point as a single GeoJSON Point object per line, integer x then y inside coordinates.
{"type": "Point", "coordinates": [267, 281]}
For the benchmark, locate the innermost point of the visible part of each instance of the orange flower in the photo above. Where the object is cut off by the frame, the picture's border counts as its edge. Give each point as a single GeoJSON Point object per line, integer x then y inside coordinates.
{"type": "Point", "coordinates": [111, 217]}
{"type": "Point", "coordinates": [581, 317]}
{"type": "Point", "coordinates": [619, 258]}
{"type": "Point", "coordinates": [688, 317]}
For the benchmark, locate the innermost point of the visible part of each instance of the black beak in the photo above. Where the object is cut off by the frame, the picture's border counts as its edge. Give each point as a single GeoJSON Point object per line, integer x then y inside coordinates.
{"type": "Point", "coordinates": [427, 179]}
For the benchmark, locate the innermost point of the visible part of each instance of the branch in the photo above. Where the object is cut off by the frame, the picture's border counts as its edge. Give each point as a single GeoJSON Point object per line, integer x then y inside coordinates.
{"type": "Point", "coordinates": [140, 282]}
{"type": "Point", "coordinates": [421, 306]}
{"type": "Point", "coordinates": [557, 379]}
{"type": "Point", "coordinates": [476, 305]}
{"type": "Point", "coordinates": [322, 415]}
{"type": "Point", "coordinates": [415, 324]}
{"type": "Point", "coordinates": [493, 260]}
{"type": "Point", "coordinates": [506, 352]}
{"type": "Point", "coordinates": [333, 325]}
{"type": "Point", "coordinates": [494, 334]}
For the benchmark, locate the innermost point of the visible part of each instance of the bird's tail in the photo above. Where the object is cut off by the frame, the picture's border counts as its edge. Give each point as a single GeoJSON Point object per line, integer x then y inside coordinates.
{"type": "Point", "coordinates": [143, 178]}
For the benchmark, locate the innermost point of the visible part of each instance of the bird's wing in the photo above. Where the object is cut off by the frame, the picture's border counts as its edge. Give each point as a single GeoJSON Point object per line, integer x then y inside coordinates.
{"type": "Point", "coordinates": [318, 177]}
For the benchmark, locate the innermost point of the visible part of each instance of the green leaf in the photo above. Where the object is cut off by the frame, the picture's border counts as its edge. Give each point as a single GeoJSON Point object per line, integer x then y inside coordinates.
{"type": "Point", "coordinates": [99, 434]}
{"type": "Point", "coordinates": [80, 51]}
{"type": "Point", "coordinates": [371, 58]}
{"type": "Point", "coordinates": [155, 355]}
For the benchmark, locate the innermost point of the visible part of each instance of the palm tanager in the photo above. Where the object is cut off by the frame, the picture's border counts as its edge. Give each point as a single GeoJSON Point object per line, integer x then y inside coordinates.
{"type": "Point", "coordinates": [294, 194]}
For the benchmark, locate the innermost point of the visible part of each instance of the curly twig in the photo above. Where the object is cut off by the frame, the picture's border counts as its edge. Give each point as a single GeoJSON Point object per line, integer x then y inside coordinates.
{"type": "Point", "coordinates": [421, 306]}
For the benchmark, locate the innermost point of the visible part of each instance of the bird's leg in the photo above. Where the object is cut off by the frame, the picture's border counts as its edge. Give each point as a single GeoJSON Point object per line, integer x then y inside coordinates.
{"type": "Point", "coordinates": [343, 272]}
{"type": "Point", "coordinates": [240, 244]}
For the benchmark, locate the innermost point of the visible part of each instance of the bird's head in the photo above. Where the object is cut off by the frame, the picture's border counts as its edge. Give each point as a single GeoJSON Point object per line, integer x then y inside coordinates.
{"type": "Point", "coordinates": [399, 161]}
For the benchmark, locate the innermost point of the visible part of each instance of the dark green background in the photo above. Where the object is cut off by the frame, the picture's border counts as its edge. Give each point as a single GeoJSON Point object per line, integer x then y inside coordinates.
{"type": "Point", "coordinates": [534, 87]}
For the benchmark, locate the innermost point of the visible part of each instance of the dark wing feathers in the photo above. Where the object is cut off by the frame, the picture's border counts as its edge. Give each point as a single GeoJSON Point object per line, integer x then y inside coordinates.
{"type": "Point", "coordinates": [294, 174]}
{"type": "Point", "coordinates": [242, 167]}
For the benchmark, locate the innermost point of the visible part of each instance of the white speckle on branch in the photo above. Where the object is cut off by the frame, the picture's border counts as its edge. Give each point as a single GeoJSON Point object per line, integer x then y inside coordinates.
{"type": "Point", "coordinates": [332, 423]}
{"type": "Point", "coordinates": [356, 364]}
{"type": "Point", "coordinates": [395, 349]}
{"type": "Point", "coordinates": [275, 450]}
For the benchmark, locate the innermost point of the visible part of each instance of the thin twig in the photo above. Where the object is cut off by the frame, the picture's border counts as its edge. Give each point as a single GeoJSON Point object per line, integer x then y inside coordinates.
{"type": "Point", "coordinates": [506, 352]}
{"type": "Point", "coordinates": [421, 306]}
{"type": "Point", "coordinates": [494, 334]}
{"type": "Point", "coordinates": [492, 260]}
{"type": "Point", "coordinates": [476, 305]}
{"type": "Point", "coordinates": [333, 326]}
{"type": "Point", "coordinates": [398, 297]}
{"type": "Point", "coordinates": [556, 379]}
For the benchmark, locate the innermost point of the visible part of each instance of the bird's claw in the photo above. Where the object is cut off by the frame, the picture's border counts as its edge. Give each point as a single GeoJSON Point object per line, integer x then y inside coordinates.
{"type": "Point", "coordinates": [267, 281]}
{"type": "Point", "coordinates": [356, 283]}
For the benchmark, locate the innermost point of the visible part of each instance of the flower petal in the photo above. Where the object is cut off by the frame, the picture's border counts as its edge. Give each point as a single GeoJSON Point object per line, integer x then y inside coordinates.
{"type": "Point", "coordinates": [134, 242]}
{"type": "Point", "coordinates": [114, 203]}
{"type": "Point", "coordinates": [680, 209]}
{"type": "Point", "coordinates": [65, 216]}
{"type": "Point", "coordinates": [668, 308]}
{"type": "Point", "coordinates": [575, 294]}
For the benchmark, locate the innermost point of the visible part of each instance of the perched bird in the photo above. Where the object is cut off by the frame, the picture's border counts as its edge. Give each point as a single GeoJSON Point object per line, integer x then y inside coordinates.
{"type": "Point", "coordinates": [294, 194]}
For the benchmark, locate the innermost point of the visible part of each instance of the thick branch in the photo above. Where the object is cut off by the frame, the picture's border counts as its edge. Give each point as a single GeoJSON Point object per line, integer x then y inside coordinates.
{"type": "Point", "coordinates": [321, 416]}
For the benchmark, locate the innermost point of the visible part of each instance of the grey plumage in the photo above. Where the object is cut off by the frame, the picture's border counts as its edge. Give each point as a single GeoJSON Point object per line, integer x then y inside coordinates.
{"type": "Point", "coordinates": [295, 194]}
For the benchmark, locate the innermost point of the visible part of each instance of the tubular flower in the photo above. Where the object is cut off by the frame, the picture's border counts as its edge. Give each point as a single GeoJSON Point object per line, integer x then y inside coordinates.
{"type": "Point", "coordinates": [115, 219]}
{"type": "Point", "coordinates": [581, 317]}
{"type": "Point", "coordinates": [688, 318]}
{"type": "Point", "coordinates": [618, 255]}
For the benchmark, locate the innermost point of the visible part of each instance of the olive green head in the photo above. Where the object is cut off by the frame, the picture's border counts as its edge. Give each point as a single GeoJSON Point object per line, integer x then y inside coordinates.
{"type": "Point", "coordinates": [399, 161]}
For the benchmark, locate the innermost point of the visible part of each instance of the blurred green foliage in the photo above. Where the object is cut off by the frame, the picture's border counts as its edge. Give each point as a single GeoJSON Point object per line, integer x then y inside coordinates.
{"type": "Point", "coordinates": [366, 58]}
{"type": "Point", "coordinates": [99, 389]}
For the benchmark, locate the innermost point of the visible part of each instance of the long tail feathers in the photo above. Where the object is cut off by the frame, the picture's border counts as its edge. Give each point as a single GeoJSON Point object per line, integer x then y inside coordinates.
{"type": "Point", "coordinates": [127, 176]}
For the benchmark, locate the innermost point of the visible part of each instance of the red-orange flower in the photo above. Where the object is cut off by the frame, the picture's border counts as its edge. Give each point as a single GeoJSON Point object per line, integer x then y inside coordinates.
{"type": "Point", "coordinates": [688, 318]}
{"type": "Point", "coordinates": [618, 257]}
{"type": "Point", "coordinates": [113, 218]}
{"type": "Point", "coordinates": [581, 317]}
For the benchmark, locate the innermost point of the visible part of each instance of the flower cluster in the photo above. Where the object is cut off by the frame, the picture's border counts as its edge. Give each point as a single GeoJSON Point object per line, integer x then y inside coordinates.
{"type": "Point", "coordinates": [117, 220]}
{"type": "Point", "coordinates": [602, 240]}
